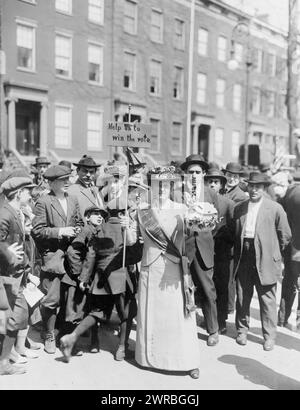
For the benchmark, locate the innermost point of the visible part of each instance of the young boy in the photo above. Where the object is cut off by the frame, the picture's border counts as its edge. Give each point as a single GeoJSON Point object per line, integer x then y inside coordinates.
{"type": "Point", "coordinates": [77, 257]}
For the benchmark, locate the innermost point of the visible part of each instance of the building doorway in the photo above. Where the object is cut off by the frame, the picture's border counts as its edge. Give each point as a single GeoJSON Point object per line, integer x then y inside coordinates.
{"type": "Point", "coordinates": [203, 140]}
{"type": "Point", "coordinates": [28, 127]}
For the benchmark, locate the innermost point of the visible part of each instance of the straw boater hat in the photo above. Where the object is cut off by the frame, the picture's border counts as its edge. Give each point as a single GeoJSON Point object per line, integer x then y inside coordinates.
{"type": "Point", "coordinates": [194, 159]}
{"type": "Point", "coordinates": [87, 162]}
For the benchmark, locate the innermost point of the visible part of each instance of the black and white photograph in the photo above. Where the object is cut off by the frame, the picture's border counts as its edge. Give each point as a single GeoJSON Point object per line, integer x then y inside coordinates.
{"type": "Point", "coordinates": [149, 198]}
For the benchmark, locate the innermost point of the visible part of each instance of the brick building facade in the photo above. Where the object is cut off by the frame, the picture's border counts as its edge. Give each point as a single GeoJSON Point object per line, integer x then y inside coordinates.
{"type": "Point", "coordinates": [73, 65]}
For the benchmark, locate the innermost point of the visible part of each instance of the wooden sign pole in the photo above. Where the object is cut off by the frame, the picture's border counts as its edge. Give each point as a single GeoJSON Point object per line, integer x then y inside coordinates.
{"type": "Point", "coordinates": [126, 194]}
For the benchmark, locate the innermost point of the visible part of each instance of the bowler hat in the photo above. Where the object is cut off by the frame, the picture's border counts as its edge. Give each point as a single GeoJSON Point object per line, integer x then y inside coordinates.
{"type": "Point", "coordinates": [57, 172]}
{"type": "Point", "coordinates": [87, 162]}
{"type": "Point", "coordinates": [264, 167]}
{"type": "Point", "coordinates": [12, 185]}
{"type": "Point", "coordinates": [95, 209]}
{"type": "Point", "coordinates": [215, 173]}
{"type": "Point", "coordinates": [194, 159]}
{"type": "Point", "coordinates": [234, 168]}
{"type": "Point", "coordinates": [258, 178]}
{"type": "Point", "coordinates": [41, 161]}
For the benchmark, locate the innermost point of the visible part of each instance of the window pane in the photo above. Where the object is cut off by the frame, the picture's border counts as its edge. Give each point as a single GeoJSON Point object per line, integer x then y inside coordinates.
{"type": "Point", "coordinates": [129, 71]}
{"type": "Point", "coordinates": [202, 41]}
{"type": "Point", "coordinates": [155, 134]}
{"type": "Point", "coordinates": [179, 34]}
{"type": "Point", "coordinates": [64, 5]}
{"type": "Point", "coordinates": [201, 88]}
{"type": "Point", "coordinates": [156, 26]}
{"type": "Point", "coordinates": [25, 44]}
{"type": "Point", "coordinates": [63, 55]}
{"type": "Point", "coordinates": [94, 127]}
{"type": "Point", "coordinates": [178, 83]}
{"type": "Point", "coordinates": [95, 58]}
{"type": "Point", "coordinates": [155, 77]}
{"type": "Point", "coordinates": [176, 138]}
{"type": "Point", "coordinates": [222, 48]}
{"type": "Point", "coordinates": [130, 16]}
{"type": "Point", "coordinates": [237, 95]}
{"type": "Point", "coordinates": [235, 143]}
{"type": "Point", "coordinates": [63, 117]}
{"type": "Point", "coordinates": [96, 11]}
{"type": "Point", "coordinates": [219, 141]}
{"type": "Point", "coordinates": [220, 92]}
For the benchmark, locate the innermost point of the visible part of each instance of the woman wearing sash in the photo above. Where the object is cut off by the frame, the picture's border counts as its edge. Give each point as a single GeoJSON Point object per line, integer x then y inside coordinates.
{"type": "Point", "coordinates": [166, 323]}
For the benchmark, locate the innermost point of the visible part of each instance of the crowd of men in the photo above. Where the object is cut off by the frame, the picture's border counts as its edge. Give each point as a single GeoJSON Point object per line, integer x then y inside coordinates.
{"type": "Point", "coordinates": [62, 231]}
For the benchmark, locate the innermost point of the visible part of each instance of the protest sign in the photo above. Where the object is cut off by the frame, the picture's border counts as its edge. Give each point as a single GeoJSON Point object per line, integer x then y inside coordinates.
{"type": "Point", "coordinates": [124, 134]}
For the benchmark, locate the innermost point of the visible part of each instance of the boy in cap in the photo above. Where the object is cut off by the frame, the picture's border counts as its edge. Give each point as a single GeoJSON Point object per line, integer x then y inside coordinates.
{"type": "Point", "coordinates": [12, 231]}
{"type": "Point", "coordinates": [56, 223]}
{"type": "Point", "coordinates": [77, 253]}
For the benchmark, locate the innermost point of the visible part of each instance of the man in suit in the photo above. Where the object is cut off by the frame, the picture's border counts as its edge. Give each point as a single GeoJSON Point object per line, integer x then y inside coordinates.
{"type": "Point", "coordinates": [200, 248]}
{"type": "Point", "coordinates": [57, 221]}
{"type": "Point", "coordinates": [216, 180]}
{"type": "Point", "coordinates": [291, 283]}
{"type": "Point", "coordinates": [262, 233]}
{"type": "Point", "coordinates": [39, 168]}
{"type": "Point", "coordinates": [12, 232]}
{"type": "Point", "coordinates": [233, 172]}
{"type": "Point", "coordinates": [84, 188]}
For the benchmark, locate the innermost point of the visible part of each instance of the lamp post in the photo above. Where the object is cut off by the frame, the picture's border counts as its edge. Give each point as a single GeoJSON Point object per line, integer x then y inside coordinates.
{"type": "Point", "coordinates": [240, 29]}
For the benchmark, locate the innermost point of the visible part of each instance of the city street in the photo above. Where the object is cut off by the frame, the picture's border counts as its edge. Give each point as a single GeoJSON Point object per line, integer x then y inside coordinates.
{"type": "Point", "coordinates": [226, 366]}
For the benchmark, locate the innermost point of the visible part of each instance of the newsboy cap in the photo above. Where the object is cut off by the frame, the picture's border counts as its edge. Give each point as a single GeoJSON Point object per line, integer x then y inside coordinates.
{"type": "Point", "coordinates": [57, 172]}
{"type": "Point", "coordinates": [95, 210]}
{"type": "Point", "coordinates": [12, 185]}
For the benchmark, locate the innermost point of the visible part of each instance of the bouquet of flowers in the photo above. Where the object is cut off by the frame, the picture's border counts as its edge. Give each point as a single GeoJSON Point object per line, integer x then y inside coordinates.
{"type": "Point", "coordinates": [201, 217]}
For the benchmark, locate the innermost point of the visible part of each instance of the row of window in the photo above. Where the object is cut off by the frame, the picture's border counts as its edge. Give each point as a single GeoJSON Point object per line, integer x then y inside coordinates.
{"type": "Point", "coordinates": [262, 102]}
{"type": "Point", "coordinates": [63, 131]}
{"type": "Point", "coordinates": [95, 9]}
{"type": "Point", "coordinates": [262, 61]}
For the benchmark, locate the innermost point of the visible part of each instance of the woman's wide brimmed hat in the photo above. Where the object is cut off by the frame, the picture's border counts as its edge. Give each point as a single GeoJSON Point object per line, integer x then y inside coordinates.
{"type": "Point", "coordinates": [258, 178]}
{"type": "Point", "coordinates": [163, 174]}
{"type": "Point", "coordinates": [234, 168]}
{"type": "Point", "coordinates": [194, 159]}
{"type": "Point", "coordinates": [87, 162]}
{"type": "Point", "coordinates": [215, 173]}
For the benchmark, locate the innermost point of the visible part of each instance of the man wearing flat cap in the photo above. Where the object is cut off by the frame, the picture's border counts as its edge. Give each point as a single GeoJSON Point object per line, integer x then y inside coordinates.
{"type": "Point", "coordinates": [262, 233]}
{"type": "Point", "coordinates": [84, 188]}
{"type": "Point", "coordinates": [12, 231]}
{"type": "Point", "coordinates": [200, 248]}
{"type": "Point", "coordinates": [216, 180]}
{"type": "Point", "coordinates": [56, 223]}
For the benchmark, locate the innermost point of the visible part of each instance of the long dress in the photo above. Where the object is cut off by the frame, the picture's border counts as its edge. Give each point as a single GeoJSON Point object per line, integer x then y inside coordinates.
{"type": "Point", "coordinates": [166, 338]}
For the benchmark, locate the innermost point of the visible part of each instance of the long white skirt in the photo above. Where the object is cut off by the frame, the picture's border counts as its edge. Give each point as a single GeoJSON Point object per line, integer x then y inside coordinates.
{"type": "Point", "coordinates": [166, 339]}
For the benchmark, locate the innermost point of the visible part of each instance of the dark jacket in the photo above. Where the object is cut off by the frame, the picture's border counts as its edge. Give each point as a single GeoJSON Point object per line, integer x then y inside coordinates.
{"type": "Point", "coordinates": [49, 218]}
{"type": "Point", "coordinates": [236, 194]}
{"type": "Point", "coordinates": [272, 236]}
{"type": "Point", "coordinates": [291, 204]}
{"type": "Point", "coordinates": [11, 231]}
{"type": "Point", "coordinates": [222, 234]}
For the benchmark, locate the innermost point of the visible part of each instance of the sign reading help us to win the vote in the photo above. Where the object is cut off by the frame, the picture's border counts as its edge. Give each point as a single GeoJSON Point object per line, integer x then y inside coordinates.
{"type": "Point", "coordinates": [123, 134]}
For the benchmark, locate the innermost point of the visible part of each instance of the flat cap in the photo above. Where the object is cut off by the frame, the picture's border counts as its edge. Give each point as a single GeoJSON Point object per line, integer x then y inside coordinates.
{"type": "Point", "coordinates": [95, 210]}
{"type": "Point", "coordinates": [12, 185]}
{"type": "Point", "coordinates": [57, 172]}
